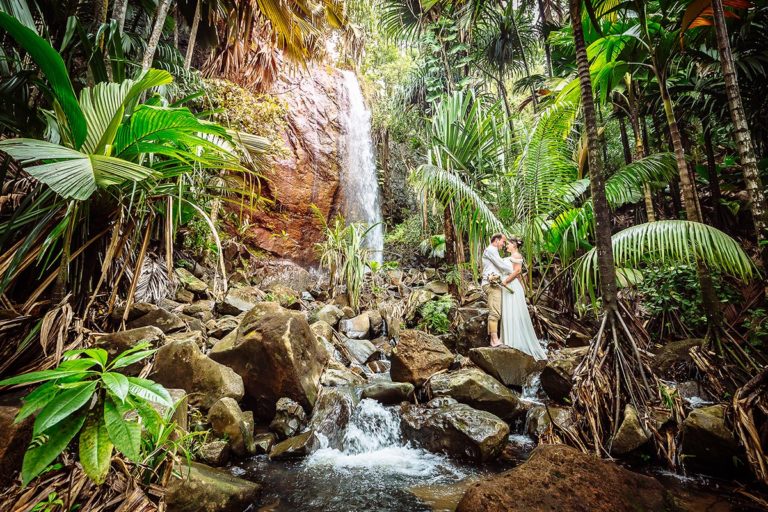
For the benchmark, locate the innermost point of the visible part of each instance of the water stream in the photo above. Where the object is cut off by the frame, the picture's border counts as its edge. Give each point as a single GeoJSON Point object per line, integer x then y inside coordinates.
{"type": "Point", "coordinates": [360, 186]}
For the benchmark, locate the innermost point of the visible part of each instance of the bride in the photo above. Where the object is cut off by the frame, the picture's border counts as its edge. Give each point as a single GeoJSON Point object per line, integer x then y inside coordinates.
{"type": "Point", "coordinates": [516, 326]}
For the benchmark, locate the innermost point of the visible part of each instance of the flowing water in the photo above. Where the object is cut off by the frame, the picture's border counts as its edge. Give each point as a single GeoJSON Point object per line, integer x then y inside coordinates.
{"type": "Point", "coordinates": [374, 470]}
{"type": "Point", "coordinates": [360, 186]}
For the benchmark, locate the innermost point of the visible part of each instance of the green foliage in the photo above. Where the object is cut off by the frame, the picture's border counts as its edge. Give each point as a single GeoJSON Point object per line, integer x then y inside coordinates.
{"type": "Point", "coordinates": [86, 395]}
{"type": "Point", "coordinates": [756, 325]}
{"type": "Point", "coordinates": [435, 315]}
{"type": "Point", "coordinates": [433, 247]}
{"type": "Point", "coordinates": [405, 238]}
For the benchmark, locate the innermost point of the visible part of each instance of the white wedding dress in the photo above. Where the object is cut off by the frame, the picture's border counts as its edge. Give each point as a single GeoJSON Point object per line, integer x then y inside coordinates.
{"type": "Point", "coordinates": [516, 326]}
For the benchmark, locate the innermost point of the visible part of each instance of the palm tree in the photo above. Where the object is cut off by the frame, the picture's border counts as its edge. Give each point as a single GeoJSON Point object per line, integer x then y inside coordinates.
{"type": "Point", "coordinates": [741, 132]}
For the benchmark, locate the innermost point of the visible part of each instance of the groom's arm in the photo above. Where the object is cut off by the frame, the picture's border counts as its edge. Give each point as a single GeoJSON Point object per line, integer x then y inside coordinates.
{"type": "Point", "coordinates": [504, 267]}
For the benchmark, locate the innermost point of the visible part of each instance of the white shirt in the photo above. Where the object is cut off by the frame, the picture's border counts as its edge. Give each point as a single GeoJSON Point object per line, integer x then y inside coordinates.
{"type": "Point", "coordinates": [493, 263]}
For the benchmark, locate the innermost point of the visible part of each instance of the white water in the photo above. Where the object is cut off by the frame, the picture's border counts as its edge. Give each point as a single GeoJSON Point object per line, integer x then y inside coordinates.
{"type": "Point", "coordinates": [360, 186]}
{"type": "Point", "coordinates": [372, 442]}
{"type": "Point", "coordinates": [532, 389]}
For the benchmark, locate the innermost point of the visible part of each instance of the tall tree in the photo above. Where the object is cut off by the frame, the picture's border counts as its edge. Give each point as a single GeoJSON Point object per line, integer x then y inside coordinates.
{"type": "Point", "coordinates": [157, 31]}
{"type": "Point", "coordinates": [741, 132]}
{"type": "Point", "coordinates": [192, 36]}
{"type": "Point", "coordinates": [119, 9]}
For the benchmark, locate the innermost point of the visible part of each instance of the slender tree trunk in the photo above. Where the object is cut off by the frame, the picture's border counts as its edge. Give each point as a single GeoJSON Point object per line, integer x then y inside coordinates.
{"type": "Point", "coordinates": [544, 35]}
{"type": "Point", "coordinates": [450, 246]}
{"type": "Point", "coordinates": [119, 9]}
{"type": "Point", "coordinates": [625, 141]}
{"type": "Point", "coordinates": [714, 179]}
{"type": "Point", "coordinates": [176, 27]}
{"type": "Point", "coordinates": [157, 31]}
{"type": "Point", "coordinates": [192, 37]}
{"type": "Point", "coordinates": [503, 94]}
{"type": "Point", "coordinates": [601, 211]}
{"type": "Point", "coordinates": [534, 99]}
{"type": "Point", "coordinates": [100, 13]}
{"type": "Point", "coordinates": [741, 133]}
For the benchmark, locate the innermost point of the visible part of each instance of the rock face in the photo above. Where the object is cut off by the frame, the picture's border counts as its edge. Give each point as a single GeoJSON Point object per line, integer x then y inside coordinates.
{"type": "Point", "coordinates": [277, 355]}
{"type": "Point", "coordinates": [417, 356]}
{"type": "Point", "coordinates": [332, 413]}
{"type": "Point", "coordinates": [708, 443]}
{"type": "Point", "coordinates": [289, 418]}
{"type": "Point", "coordinates": [557, 477]}
{"type": "Point", "coordinates": [509, 366]}
{"type": "Point", "coordinates": [477, 389]}
{"type": "Point", "coordinates": [200, 488]}
{"type": "Point", "coordinates": [472, 328]}
{"type": "Point", "coordinates": [557, 375]}
{"type": "Point", "coordinates": [308, 174]}
{"type": "Point", "coordinates": [14, 440]}
{"type": "Point", "coordinates": [455, 429]}
{"type": "Point", "coordinates": [181, 364]}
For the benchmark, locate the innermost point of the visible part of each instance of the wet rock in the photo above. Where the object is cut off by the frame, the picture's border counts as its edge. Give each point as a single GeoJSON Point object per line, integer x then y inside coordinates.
{"type": "Point", "coordinates": [189, 282]}
{"type": "Point", "coordinates": [227, 419]}
{"type": "Point", "coordinates": [509, 366]}
{"type": "Point", "coordinates": [392, 315]}
{"type": "Point", "coordinates": [477, 389]}
{"type": "Point", "coordinates": [200, 488]}
{"type": "Point", "coordinates": [631, 434]}
{"type": "Point", "coordinates": [263, 443]}
{"type": "Point", "coordinates": [118, 342]}
{"type": "Point", "coordinates": [389, 393]}
{"type": "Point", "coordinates": [383, 346]}
{"type": "Point", "coordinates": [332, 413]}
{"type": "Point", "coordinates": [240, 300]}
{"type": "Point", "coordinates": [164, 320]}
{"type": "Point", "coordinates": [277, 355]}
{"type": "Point", "coordinates": [340, 377]}
{"type": "Point", "coordinates": [417, 356]}
{"type": "Point", "coordinates": [359, 350]}
{"type": "Point", "coordinates": [224, 326]}
{"type": "Point", "coordinates": [437, 287]}
{"type": "Point", "coordinates": [708, 443]}
{"type": "Point", "coordinates": [181, 364]}
{"type": "Point", "coordinates": [540, 417]}
{"type": "Point", "coordinates": [330, 314]}
{"type": "Point", "coordinates": [289, 418]}
{"type": "Point", "coordinates": [455, 429]}
{"type": "Point", "coordinates": [557, 375]}
{"type": "Point", "coordinates": [14, 439]}
{"type": "Point", "coordinates": [214, 453]}
{"type": "Point", "coordinates": [472, 328]}
{"type": "Point", "coordinates": [297, 446]}
{"type": "Point", "coordinates": [673, 360]}
{"type": "Point", "coordinates": [357, 327]}
{"type": "Point", "coordinates": [437, 403]}
{"type": "Point", "coordinates": [379, 366]}
{"type": "Point", "coordinates": [557, 477]}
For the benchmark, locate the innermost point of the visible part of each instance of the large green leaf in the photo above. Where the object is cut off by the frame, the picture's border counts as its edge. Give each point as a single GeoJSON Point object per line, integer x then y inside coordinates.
{"type": "Point", "coordinates": [95, 449]}
{"type": "Point", "coordinates": [70, 173]}
{"type": "Point", "coordinates": [19, 9]}
{"type": "Point", "coordinates": [149, 390]}
{"type": "Point", "coordinates": [41, 455]}
{"type": "Point", "coordinates": [52, 65]}
{"type": "Point", "coordinates": [41, 376]}
{"type": "Point", "coordinates": [117, 383]}
{"type": "Point", "coordinates": [125, 434]}
{"type": "Point", "coordinates": [66, 403]}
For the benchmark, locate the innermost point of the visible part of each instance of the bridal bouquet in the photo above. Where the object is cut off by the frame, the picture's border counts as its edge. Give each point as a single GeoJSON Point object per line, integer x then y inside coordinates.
{"type": "Point", "coordinates": [495, 279]}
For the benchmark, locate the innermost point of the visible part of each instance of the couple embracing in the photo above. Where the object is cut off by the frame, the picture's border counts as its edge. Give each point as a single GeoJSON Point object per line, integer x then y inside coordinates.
{"type": "Point", "coordinates": [502, 284]}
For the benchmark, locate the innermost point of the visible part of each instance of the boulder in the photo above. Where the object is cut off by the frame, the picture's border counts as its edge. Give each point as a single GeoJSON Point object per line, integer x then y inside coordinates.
{"type": "Point", "coordinates": [289, 418]}
{"type": "Point", "coordinates": [631, 434]}
{"type": "Point", "coordinates": [391, 312]}
{"type": "Point", "coordinates": [164, 320]}
{"type": "Point", "coordinates": [200, 488]}
{"type": "Point", "coordinates": [240, 300]}
{"type": "Point", "coordinates": [340, 377]}
{"type": "Point", "coordinates": [389, 393]}
{"type": "Point", "coordinates": [14, 439]}
{"type": "Point", "coordinates": [138, 309]}
{"type": "Point", "coordinates": [417, 356]}
{"type": "Point", "coordinates": [263, 443]}
{"type": "Point", "coordinates": [224, 325]}
{"type": "Point", "coordinates": [557, 375]}
{"type": "Point", "coordinates": [181, 364]}
{"type": "Point", "coordinates": [477, 389]}
{"type": "Point", "coordinates": [471, 328]}
{"type": "Point", "coordinates": [322, 330]}
{"type": "Point", "coordinates": [227, 419]}
{"type": "Point", "coordinates": [283, 295]}
{"type": "Point", "coordinates": [437, 287]}
{"type": "Point", "coordinates": [195, 337]}
{"type": "Point", "coordinates": [377, 323]}
{"type": "Point", "coordinates": [509, 366]}
{"type": "Point", "coordinates": [358, 350]}
{"type": "Point", "coordinates": [331, 415]}
{"type": "Point", "coordinates": [297, 446]}
{"type": "Point", "coordinates": [270, 274]}
{"type": "Point", "coordinates": [189, 282]}
{"type": "Point", "coordinates": [383, 346]}
{"type": "Point", "coordinates": [118, 342]}
{"type": "Point", "coordinates": [183, 295]}
{"type": "Point", "coordinates": [708, 443]}
{"type": "Point", "coordinates": [330, 314]}
{"type": "Point", "coordinates": [357, 327]}
{"type": "Point", "coordinates": [214, 453]}
{"type": "Point", "coordinates": [540, 417]}
{"type": "Point", "coordinates": [277, 355]}
{"type": "Point", "coordinates": [197, 307]}
{"type": "Point", "coordinates": [673, 360]}
{"type": "Point", "coordinates": [557, 477]}
{"type": "Point", "coordinates": [379, 366]}
{"type": "Point", "coordinates": [455, 429]}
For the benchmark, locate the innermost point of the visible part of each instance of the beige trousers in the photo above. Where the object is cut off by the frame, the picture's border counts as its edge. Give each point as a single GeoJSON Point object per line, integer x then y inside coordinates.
{"type": "Point", "coordinates": [493, 292]}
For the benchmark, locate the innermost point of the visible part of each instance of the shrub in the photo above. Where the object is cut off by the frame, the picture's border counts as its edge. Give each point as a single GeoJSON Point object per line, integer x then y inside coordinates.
{"type": "Point", "coordinates": [434, 315]}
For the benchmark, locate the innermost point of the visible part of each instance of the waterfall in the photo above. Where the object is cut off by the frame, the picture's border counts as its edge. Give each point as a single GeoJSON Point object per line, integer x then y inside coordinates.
{"type": "Point", "coordinates": [360, 186]}
{"type": "Point", "coordinates": [373, 442]}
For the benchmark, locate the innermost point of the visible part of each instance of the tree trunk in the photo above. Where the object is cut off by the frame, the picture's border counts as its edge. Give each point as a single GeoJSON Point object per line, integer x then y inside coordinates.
{"type": "Point", "coordinates": [119, 9]}
{"type": "Point", "coordinates": [596, 180]}
{"type": "Point", "coordinates": [450, 246]}
{"type": "Point", "coordinates": [714, 179]}
{"type": "Point", "coordinates": [534, 99]}
{"type": "Point", "coordinates": [741, 133]}
{"type": "Point", "coordinates": [544, 35]}
{"type": "Point", "coordinates": [625, 141]}
{"type": "Point", "coordinates": [101, 7]}
{"type": "Point", "coordinates": [192, 37]}
{"type": "Point", "coordinates": [503, 94]}
{"type": "Point", "coordinates": [157, 31]}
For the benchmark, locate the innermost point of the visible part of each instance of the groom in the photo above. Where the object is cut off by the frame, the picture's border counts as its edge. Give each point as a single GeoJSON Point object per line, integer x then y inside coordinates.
{"type": "Point", "coordinates": [494, 267]}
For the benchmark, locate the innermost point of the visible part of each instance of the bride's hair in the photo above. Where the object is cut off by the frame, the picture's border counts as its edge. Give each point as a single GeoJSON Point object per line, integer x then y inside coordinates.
{"type": "Point", "coordinates": [516, 240]}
